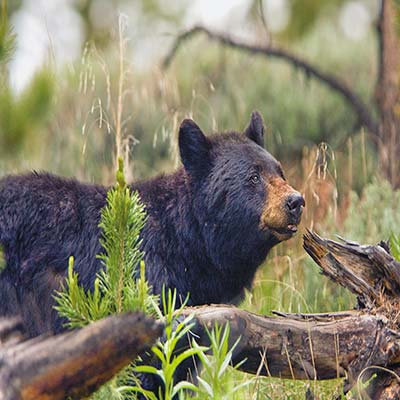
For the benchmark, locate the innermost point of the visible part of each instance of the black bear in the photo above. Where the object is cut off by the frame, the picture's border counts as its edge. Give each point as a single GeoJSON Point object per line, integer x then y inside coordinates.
{"type": "Point", "coordinates": [210, 225]}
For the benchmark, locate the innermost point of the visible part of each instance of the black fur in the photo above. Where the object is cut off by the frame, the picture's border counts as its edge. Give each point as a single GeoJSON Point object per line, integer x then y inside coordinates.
{"type": "Point", "coordinates": [202, 236]}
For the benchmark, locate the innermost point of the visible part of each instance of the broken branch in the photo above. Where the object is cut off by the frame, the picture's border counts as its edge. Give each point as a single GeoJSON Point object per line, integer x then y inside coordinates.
{"type": "Point", "coordinates": [74, 363]}
{"type": "Point", "coordinates": [361, 110]}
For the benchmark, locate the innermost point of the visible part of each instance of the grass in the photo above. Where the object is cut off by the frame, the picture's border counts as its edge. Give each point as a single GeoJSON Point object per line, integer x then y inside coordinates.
{"type": "Point", "coordinates": [101, 110]}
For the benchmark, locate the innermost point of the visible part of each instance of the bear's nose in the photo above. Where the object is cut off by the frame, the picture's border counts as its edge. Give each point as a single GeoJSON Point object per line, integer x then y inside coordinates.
{"type": "Point", "coordinates": [294, 204]}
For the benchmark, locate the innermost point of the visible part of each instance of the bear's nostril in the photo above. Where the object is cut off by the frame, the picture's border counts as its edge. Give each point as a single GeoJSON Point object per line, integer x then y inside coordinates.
{"type": "Point", "coordinates": [295, 201]}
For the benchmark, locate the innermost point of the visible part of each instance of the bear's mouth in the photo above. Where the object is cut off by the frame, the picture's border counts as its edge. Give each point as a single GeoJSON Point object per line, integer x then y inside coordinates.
{"type": "Point", "coordinates": [290, 230]}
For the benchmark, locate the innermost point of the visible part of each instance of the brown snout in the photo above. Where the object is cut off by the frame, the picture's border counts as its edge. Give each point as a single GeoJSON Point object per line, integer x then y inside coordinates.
{"type": "Point", "coordinates": [282, 210]}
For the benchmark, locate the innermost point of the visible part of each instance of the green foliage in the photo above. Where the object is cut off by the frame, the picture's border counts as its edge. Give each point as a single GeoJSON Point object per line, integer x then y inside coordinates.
{"type": "Point", "coordinates": [289, 389]}
{"type": "Point", "coordinates": [305, 14]}
{"type": "Point", "coordinates": [168, 352]}
{"type": "Point", "coordinates": [7, 40]}
{"type": "Point", "coordinates": [121, 221]}
{"type": "Point", "coordinates": [80, 307]}
{"type": "Point", "coordinates": [215, 382]}
{"type": "Point", "coordinates": [395, 246]}
{"type": "Point", "coordinates": [375, 215]}
{"type": "Point", "coordinates": [115, 290]}
{"type": "Point", "coordinates": [21, 115]}
{"type": "Point", "coordinates": [117, 388]}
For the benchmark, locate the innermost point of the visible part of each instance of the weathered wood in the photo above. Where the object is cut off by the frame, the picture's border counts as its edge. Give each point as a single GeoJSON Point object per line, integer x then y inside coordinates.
{"type": "Point", "coordinates": [386, 385]}
{"type": "Point", "coordinates": [296, 348]}
{"type": "Point", "coordinates": [374, 275]}
{"type": "Point", "coordinates": [351, 344]}
{"type": "Point", "coordinates": [368, 271]}
{"type": "Point", "coordinates": [322, 317]}
{"type": "Point", "coordinates": [75, 363]}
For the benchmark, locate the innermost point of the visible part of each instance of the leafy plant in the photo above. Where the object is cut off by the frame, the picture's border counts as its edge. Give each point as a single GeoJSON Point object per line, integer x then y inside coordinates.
{"type": "Point", "coordinates": [122, 221]}
{"type": "Point", "coordinates": [215, 382]}
{"type": "Point", "coordinates": [169, 354]}
{"type": "Point", "coordinates": [115, 288]}
{"type": "Point", "coordinates": [78, 306]}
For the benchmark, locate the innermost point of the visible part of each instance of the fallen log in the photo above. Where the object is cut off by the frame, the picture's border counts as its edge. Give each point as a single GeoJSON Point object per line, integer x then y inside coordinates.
{"type": "Point", "coordinates": [311, 347]}
{"type": "Point", "coordinates": [72, 364]}
{"type": "Point", "coordinates": [352, 344]}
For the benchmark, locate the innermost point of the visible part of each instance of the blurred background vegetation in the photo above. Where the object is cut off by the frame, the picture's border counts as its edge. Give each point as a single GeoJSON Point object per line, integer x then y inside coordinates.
{"type": "Point", "coordinates": [81, 80]}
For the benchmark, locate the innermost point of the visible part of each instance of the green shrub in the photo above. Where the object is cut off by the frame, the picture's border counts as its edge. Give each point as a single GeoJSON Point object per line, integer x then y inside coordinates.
{"type": "Point", "coordinates": [374, 215]}
{"type": "Point", "coordinates": [115, 290]}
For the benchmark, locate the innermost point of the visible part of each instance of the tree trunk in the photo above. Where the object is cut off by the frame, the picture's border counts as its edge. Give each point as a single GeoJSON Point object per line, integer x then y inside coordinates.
{"type": "Point", "coordinates": [388, 90]}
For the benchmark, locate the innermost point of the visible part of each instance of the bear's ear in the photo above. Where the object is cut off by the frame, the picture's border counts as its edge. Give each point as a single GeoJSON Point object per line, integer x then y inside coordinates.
{"type": "Point", "coordinates": [255, 130]}
{"type": "Point", "coordinates": [193, 146]}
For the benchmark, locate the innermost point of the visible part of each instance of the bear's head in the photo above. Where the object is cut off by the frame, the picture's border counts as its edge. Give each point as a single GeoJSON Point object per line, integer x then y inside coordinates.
{"type": "Point", "coordinates": [239, 191]}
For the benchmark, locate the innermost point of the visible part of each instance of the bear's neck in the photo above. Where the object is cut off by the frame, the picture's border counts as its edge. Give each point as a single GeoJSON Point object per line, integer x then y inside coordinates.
{"type": "Point", "coordinates": [180, 239]}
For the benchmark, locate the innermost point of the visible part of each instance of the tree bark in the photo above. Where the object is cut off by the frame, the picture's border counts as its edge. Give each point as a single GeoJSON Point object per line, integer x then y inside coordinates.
{"type": "Point", "coordinates": [388, 90]}
{"type": "Point", "coordinates": [374, 276]}
{"type": "Point", "coordinates": [73, 364]}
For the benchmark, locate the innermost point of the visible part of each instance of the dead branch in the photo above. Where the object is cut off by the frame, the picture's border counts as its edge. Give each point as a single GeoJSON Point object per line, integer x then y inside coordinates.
{"type": "Point", "coordinates": [73, 364]}
{"type": "Point", "coordinates": [374, 275]}
{"type": "Point", "coordinates": [361, 110]}
{"type": "Point", "coordinates": [368, 271]}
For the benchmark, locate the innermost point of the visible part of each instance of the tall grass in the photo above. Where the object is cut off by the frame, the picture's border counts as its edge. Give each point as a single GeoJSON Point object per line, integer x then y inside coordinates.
{"type": "Point", "coordinates": [102, 107]}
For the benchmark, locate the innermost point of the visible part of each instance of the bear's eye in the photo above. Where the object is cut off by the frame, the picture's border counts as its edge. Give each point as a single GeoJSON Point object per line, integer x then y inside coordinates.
{"type": "Point", "coordinates": [254, 179]}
